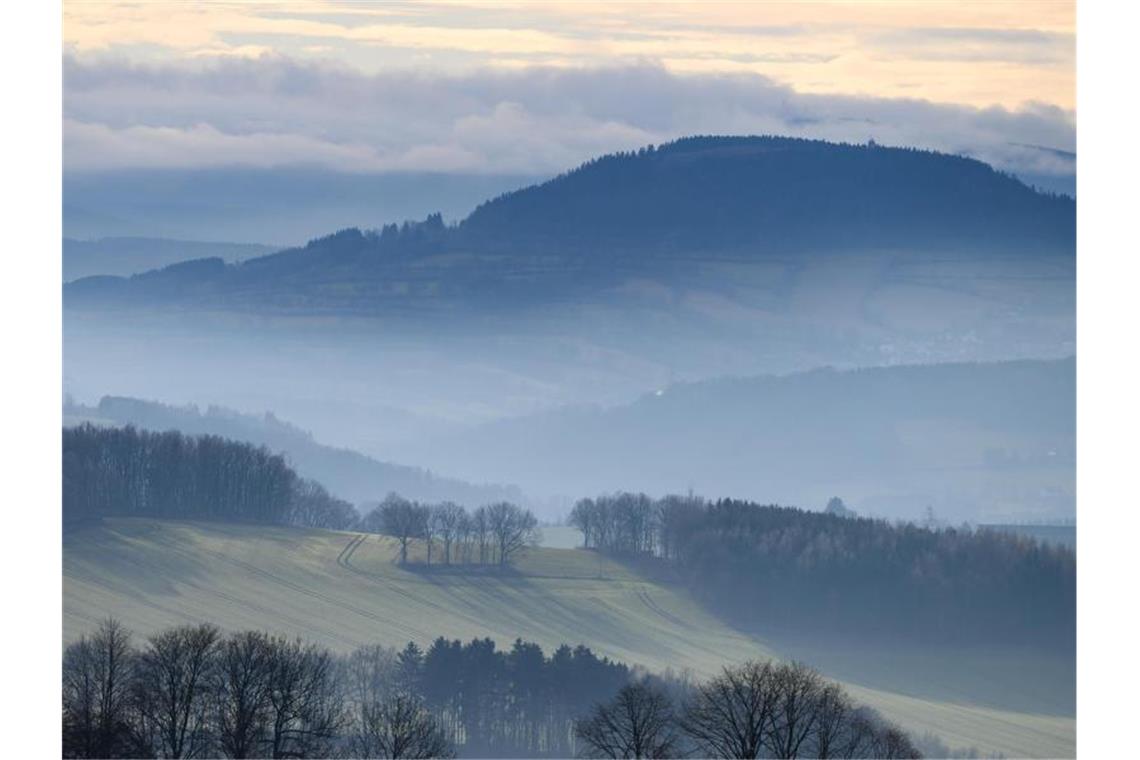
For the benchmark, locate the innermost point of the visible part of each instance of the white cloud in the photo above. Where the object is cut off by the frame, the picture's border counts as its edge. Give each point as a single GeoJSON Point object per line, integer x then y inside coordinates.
{"type": "Point", "coordinates": [274, 111]}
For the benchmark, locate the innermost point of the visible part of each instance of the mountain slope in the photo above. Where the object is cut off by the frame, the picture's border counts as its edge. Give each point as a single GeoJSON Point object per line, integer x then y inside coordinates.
{"type": "Point", "coordinates": [124, 256]}
{"type": "Point", "coordinates": [778, 195]}
{"type": "Point", "coordinates": [344, 592]}
{"type": "Point", "coordinates": [661, 213]}
{"type": "Point", "coordinates": [978, 441]}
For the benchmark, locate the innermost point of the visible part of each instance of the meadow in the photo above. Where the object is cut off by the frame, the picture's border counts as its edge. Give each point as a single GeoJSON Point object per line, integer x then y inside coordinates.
{"type": "Point", "coordinates": [344, 590]}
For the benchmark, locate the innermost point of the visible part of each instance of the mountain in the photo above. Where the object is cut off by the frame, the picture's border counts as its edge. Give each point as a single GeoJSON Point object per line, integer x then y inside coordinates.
{"type": "Point", "coordinates": [348, 474]}
{"type": "Point", "coordinates": [972, 441]}
{"type": "Point", "coordinates": [124, 256]}
{"type": "Point", "coordinates": [663, 213]}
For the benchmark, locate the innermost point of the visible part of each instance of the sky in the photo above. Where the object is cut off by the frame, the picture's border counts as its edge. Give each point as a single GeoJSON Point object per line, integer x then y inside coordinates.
{"type": "Point", "coordinates": [536, 88]}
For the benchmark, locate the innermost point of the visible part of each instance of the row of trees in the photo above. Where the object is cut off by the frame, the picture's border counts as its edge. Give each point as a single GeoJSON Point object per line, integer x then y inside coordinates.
{"type": "Point", "coordinates": [491, 534]}
{"type": "Point", "coordinates": [867, 575]}
{"type": "Point", "coordinates": [112, 471]}
{"type": "Point", "coordinates": [759, 709]}
{"type": "Point", "coordinates": [191, 691]}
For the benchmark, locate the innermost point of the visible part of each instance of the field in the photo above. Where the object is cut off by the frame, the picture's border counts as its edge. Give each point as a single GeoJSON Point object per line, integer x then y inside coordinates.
{"type": "Point", "coordinates": [344, 590]}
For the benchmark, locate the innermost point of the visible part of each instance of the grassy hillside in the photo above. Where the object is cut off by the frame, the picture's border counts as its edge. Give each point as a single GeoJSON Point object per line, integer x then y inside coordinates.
{"type": "Point", "coordinates": [343, 590]}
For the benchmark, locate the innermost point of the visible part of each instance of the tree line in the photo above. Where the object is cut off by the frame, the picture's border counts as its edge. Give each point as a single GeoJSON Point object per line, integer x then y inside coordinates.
{"type": "Point", "coordinates": [111, 471]}
{"type": "Point", "coordinates": [757, 709]}
{"type": "Point", "coordinates": [803, 570]}
{"type": "Point", "coordinates": [192, 691]}
{"type": "Point", "coordinates": [492, 534]}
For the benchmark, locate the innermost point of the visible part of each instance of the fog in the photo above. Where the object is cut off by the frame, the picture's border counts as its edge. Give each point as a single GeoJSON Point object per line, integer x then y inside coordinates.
{"type": "Point", "coordinates": [571, 400]}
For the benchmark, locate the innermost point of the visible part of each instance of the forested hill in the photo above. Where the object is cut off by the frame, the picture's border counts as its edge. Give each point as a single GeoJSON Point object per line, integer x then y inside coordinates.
{"type": "Point", "coordinates": [657, 213]}
{"type": "Point", "coordinates": [778, 194]}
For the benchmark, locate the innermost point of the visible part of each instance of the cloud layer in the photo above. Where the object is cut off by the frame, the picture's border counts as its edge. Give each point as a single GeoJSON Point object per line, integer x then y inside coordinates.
{"type": "Point", "coordinates": [1000, 52]}
{"type": "Point", "coordinates": [275, 111]}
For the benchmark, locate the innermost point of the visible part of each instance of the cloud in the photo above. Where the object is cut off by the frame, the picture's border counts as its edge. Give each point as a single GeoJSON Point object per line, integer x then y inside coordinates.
{"type": "Point", "coordinates": [998, 52]}
{"type": "Point", "coordinates": [277, 111]}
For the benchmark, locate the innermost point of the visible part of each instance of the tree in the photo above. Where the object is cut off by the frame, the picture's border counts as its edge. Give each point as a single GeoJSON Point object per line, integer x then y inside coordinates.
{"type": "Point", "coordinates": [890, 742]}
{"type": "Point", "coordinates": [836, 506]}
{"type": "Point", "coordinates": [97, 682]}
{"type": "Point", "coordinates": [409, 668]}
{"type": "Point", "coordinates": [731, 715]}
{"type": "Point", "coordinates": [637, 723]}
{"type": "Point", "coordinates": [242, 685]}
{"type": "Point", "coordinates": [399, 727]}
{"type": "Point", "coordinates": [797, 690]}
{"type": "Point", "coordinates": [481, 530]}
{"type": "Point", "coordinates": [832, 730]}
{"type": "Point", "coordinates": [447, 519]}
{"type": "Point", "coordinates": [582, 518]}
{"type": "Point", "coordinates": [305, 707]}
{"type": "Point", "coordinates": [512, 528]}
{"type": "Point", "coordinates": [403, 520]}
{"type": "Point", "coordinates": [172, 689]}
{"type": "Point", "coordinates": [313, 507]}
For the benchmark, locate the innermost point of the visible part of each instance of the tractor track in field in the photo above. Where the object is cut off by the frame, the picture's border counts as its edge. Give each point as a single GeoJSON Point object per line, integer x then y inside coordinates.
{"type": "Point", "coordinates": [349, 548]}
{"type": "Point", "coordinates": [328, 599]}
{"type": "Point", "coordinates": [655, 608]}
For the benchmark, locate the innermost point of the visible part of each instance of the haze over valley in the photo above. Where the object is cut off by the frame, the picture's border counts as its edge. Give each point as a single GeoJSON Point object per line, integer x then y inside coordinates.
{"type": "Point", "coordinates": [450, 380]}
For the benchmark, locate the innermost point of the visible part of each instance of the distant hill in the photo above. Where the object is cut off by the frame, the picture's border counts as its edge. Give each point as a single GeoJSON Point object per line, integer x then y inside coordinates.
{"type": "Point", "coordinates": [348, 474]}
{"type": "Point", "coordinates": [660, 213]}
{"type": "Point", "coordinates": [124, 256]}
{"type": "Point", "coordinates": [778, 195]}
{"type": "Point", "coordinates": [979, 440]}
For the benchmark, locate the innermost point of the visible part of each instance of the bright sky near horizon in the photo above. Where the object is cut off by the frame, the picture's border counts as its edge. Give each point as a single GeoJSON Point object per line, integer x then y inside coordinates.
{"type": "Point", "coordinates": [896, 70]}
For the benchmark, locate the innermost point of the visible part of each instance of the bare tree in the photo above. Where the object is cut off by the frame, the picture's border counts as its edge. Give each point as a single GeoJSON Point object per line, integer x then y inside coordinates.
{"type": "Point", "coordinates": [97, 679]}
{"type": "Point", "coordinates": [637, 723]}
{"type": "Point", "coordinates": [832, 730]}
{"type": "Point", "coordinates": [481, 530]}
{"type": "Point", "coordinates": [242, 693]}
{"type": "Point", "coordinates": [798, 689]}
{"type": "Point", "coordinates": [305, 707]}
{"type": "Point", "coordinates": [402, 519]}
{"type": "Point", "coordinates": [582, 517]}
{"type": "Point", "coordinates": [446, 520]}
{"type": "Point", "coordinates": [399, 727]}
{"type": "Point", "coordinates": [731, 715]}
{"type": "Point", "coordinates": [464, 536]}
{"type": "Point", "coordinates": [370, 674]}
{"type": "Point", "coordinates": [513, 528]}
{"type": "Point", "coordinates": [890, 742]}
{"type": "Point", "coordinates": [172, 689]}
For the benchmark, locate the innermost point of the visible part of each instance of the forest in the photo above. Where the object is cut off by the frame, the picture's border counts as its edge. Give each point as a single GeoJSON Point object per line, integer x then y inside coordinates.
{"type": "Point", "coordinates": [194, 691]}
{"type": "Point", "coordinates": [127, 472]}
{"type": "Point", "coordinates": [797, 570]}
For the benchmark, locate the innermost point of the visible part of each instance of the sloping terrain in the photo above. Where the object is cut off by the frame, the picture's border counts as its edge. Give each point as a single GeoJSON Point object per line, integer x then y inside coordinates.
{"type": "Point", "coordinates": [124, 256]}
{"type": "Point", "coordinates": [344, 590]}
{"type": "Point", "coordinates": [976, 441]}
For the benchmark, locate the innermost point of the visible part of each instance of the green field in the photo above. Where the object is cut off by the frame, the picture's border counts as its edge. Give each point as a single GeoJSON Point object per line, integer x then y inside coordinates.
{"type": "Point", "coordinates": [344, 590]}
